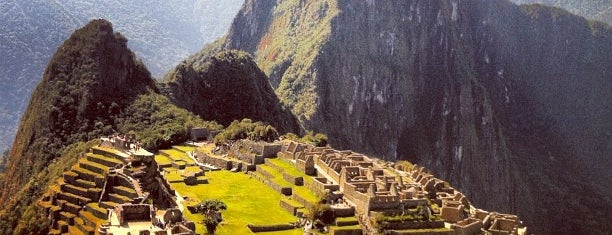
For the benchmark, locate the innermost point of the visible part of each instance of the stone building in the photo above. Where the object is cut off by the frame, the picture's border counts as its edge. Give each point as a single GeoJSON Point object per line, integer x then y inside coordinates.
{"type": "Point", "coordinates": [375, 190]}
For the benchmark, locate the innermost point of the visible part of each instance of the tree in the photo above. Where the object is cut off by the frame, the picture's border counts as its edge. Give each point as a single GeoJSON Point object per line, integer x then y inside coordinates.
{"type": "Point", "coordinates": [211, 209]}
{"type": "Point", "coordinates": [320, 214]}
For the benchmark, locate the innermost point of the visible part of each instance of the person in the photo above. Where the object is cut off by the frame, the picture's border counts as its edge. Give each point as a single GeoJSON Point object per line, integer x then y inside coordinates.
{"type": "Point", "coordinates": [308, 228]}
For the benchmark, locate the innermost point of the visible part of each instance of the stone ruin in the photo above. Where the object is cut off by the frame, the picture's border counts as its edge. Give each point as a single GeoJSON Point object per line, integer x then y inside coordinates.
{"type": "Point", "coordinates": [202, 133]}
{"type": "Point", "coordinates": [142, 217]}
{"type": "Point", "coordinates": [135, 212]}
{"type": "Point", "coordinates": [376, 190]}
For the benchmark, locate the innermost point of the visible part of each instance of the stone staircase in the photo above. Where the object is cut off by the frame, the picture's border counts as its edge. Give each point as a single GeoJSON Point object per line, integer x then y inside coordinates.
{"type": "Point", "coordinates": [79, 202]}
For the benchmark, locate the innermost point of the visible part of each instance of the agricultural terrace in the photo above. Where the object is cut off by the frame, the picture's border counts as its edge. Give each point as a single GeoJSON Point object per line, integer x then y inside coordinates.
{"type": "Point", "coordinates": [249, 199]}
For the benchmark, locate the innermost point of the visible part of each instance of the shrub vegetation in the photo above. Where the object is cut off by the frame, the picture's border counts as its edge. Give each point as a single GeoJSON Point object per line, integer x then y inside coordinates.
{"type": "Point", "coordinates": [247, 129]}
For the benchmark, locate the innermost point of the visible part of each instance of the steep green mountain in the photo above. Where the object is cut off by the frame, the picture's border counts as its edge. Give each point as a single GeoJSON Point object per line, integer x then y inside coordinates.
{"type": "Point", "coordinates": [509, 103]}
{"type": "Point", "coordinates": [92, 77]}
{"type": "Point", "coordinates": [162, 33]}
{"type": "Point", "coordinates": [224, 86]}
{"type": "Point", "coordinates": [95, 86]}
{"type": "Point", "coordinates": [592, 9]}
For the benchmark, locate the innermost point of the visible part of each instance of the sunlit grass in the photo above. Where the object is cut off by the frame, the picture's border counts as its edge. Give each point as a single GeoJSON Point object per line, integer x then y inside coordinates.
{"type": "Point", "coordinates": [162, 160]}
{"type": "Point", "coordinates": [176, 155]}
{"type": "Point", "coordinates": [248, 200]}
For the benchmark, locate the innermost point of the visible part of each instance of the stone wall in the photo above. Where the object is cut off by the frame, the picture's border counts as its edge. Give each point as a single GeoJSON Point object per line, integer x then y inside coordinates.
{"type": "Point", "coordinates": [266, 179]}
{"type": "Point", "coordinates": [269, 228]}
{"type": "Point", "coordinates": [346, 231]}
{"type": "Point", "coordinates": [290, 207]}
{"type": "Point", "coordinates": [319, 184]}
{"type": "Point", "coordinates": [134, 212]}
{"type": "Point", "coordinates": [295, 180]}
{"type": "Point", "coordinates": [426, 232]}
{"type": "Point", "coordinates": [199, 133]}
{"type": "Point", "coordinates": [467, 226]}
{"type": "Point", "coordinates": [269, 150]}
{"type": "Point", "coordinates": [223, 163]}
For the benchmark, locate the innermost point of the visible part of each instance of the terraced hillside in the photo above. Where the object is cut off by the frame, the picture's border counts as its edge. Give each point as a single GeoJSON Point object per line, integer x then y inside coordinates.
{"type": "Point", "coordinates": [78, 202]}
{"type": "Point", "coordinates": [269, 197]}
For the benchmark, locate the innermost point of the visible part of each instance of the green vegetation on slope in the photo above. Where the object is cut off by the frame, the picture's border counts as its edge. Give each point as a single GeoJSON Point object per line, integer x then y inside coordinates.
{"type": "Point", "coordinates": [226, 86]}
{"type": "Point", "coordinates": [289, 49]}
{"type": "Point", "coordinates": [159, 123]}
{"type": "Point", "coordinates": [318, 139]}
{"type": "Point", "coordinates": [247, 129]}
{"type": "Point", "coordinates": [32, 221]}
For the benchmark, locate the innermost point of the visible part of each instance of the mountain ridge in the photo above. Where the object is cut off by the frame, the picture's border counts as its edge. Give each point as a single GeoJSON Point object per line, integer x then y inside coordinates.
{"type": "Point", "coordinates": [595, 9]}
{"type": "Point", "coordinates": [95, 86]}
{"type": "Point", "coordinates": [232, 85]}
{"type": "Point", "coordinates": [453, 86]}
{"type": "Point", "coordinates": [161, 33]}
{"type": "Point", "coordinates": [93, 72]}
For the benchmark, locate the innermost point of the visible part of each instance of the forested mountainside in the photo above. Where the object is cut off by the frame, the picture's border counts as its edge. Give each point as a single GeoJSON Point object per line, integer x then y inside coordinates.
{"type": "Point", "coordinates": [95, 86]}
{"type": "Point", "coordinates": [92, 77]}
{"type": "Point", "coordinates": [162, 33]}
{"type": "Point", "coordinates": [592, 9]}
{"type": "Point", "coordinates": [487, 94]}
{"type": "Point", "coordinates": [231, 85]}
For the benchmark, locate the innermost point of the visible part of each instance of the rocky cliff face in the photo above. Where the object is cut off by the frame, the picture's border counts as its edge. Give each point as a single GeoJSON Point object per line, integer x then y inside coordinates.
{"type": "Point", "coordinates": [225, 87]}
{"type": "Point", "coordinates": [92, 77]}
{"type": "Point", "coordinates": [508, 103]}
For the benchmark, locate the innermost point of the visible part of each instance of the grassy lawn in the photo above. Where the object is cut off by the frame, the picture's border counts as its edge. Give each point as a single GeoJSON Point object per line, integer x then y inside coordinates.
{"type": "Point", "coordinates": [303, 192]}
{"type": "Point", "coordinates": [162, 160]}
{"type": "Point", "coordinates": [173, 176]}
{"type": "Point", "coordinates": [287, 166]}
{"type": "Point", "coordinates": [290, 169]}
{"type": "Point", "coordinates": [178, 155]}
{"type": "Point", "coordinates": [185, 148]}
{"type": "Point", "coordinates": [248, 201]}
{"type": "Point", "coordinates": [193, 169]}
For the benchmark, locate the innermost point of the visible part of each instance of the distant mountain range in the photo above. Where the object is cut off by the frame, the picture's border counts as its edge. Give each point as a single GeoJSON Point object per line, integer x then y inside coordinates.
{"type": "Point", "coordinates": [161, 33]}
{"type": "Point", "coordinates": [592, 9]}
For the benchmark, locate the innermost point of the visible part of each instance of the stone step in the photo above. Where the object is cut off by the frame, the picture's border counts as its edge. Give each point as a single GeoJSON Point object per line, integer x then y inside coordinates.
{"type": "Point", "coordinates": [97, 211]}
{"type": "Point", "coordinates": [72, 198]}
{"type": "Point", "coordinates": [74, 190]}
{"type": "Point", "coordinates": [108, 205]}
{"type": "Point", "coordinates": [120, 199]}
{"type": "Point", "coordinates": [70, 207]}
{"type": "Point", "coordinates": [89, 218]}
{"type": "Point", "coordinates": [62, 226]}
{"type": "Point", "coordinates": [81, 227]}
{"type": "Point", "coordinates": [68, 217]}
{"type": "Point", "coordinates": [93, 166]}
{"type": "Point", "coordinates": [70, 176]}
{"type": "Point", "coordinates": [346, 221]}
{"type": "Point", "coordinates": [107, 152]}
{"type": "Point", "coordinates": [84, 183]}
{"type": "Point", "coordinates": [125, 191]}
{"type": "Point", "coordinates": [87, 174]}
{"type": "Point", "coordinates": [107, 161]}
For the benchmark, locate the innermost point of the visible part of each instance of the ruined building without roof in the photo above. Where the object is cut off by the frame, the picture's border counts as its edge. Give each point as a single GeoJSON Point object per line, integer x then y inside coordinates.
{"type": "Point", "coordinates": [102, 194]}
{"type": "Point", "coordinates": [377, 190]}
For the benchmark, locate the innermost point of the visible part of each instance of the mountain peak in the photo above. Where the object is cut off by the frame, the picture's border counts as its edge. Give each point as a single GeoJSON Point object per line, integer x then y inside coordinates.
{"type": "Point", "coordinates": [453, 86]}
{"type": "Point", "coordinates": [91, 77]}
{"type": "Point", "coordinates": [226, 86]}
